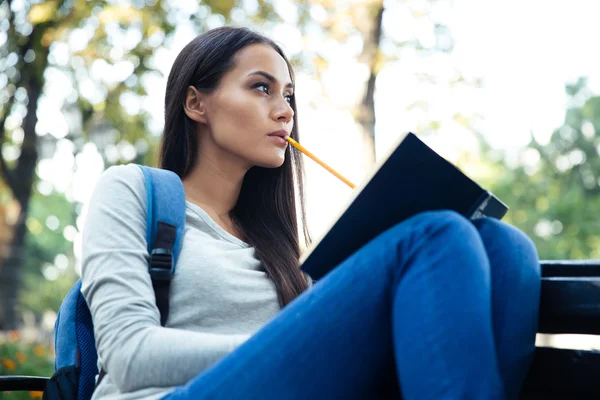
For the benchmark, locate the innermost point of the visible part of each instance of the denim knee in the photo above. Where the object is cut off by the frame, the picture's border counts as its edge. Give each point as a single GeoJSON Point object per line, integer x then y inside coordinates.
{"type": "Point", "coordinates": [428, 231]}
{"type": "Point", "coordinates": [445, 222]}
{"type": "Point", "coordinates": [500, 237]}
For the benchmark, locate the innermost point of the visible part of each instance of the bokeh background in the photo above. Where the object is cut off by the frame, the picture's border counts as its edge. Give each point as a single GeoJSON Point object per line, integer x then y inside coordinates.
{"type": "Point", "coordinates": [508, 91]}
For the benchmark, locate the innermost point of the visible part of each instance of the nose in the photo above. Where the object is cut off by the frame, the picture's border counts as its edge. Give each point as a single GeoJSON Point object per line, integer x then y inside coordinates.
{"type": "Point", "coordinates": [283, 111]}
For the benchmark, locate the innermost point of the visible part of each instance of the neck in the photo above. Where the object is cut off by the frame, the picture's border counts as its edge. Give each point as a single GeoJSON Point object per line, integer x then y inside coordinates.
{"type": "Point", "coordinates": [216, 180]}
{"type": "Point", "coordinates": [213, 186]}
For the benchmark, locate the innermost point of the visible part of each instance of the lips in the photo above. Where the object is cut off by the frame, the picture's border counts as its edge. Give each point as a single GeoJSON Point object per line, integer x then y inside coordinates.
{"type": "Point", "coordinates": [281, 133]}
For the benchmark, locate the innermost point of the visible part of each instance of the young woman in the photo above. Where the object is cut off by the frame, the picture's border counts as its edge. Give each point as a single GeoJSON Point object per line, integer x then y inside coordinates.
{"type": "Point", "coordinates": [437, 307]}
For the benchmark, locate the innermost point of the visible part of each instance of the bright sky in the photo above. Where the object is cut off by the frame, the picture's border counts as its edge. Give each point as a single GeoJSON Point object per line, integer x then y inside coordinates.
{"type": "Point", "coordinates": [524, 51]}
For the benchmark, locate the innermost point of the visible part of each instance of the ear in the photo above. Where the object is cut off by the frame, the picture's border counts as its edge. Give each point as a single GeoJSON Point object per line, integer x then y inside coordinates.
{"type": "Point", "coordinates": [194, 105]}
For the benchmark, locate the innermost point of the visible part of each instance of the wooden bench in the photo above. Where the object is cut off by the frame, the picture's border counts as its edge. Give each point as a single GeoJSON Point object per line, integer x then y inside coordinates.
{"type": "Point", "coordinates": [570, 304]}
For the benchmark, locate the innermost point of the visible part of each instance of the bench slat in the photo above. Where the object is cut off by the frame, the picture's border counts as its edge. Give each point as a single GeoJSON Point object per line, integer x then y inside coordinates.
{"type": "Point", "coordinates": [570, 305]}
{"type": "Point", "coordinates": [570, 268]}
{"type": "Point", "coordinates": [22, 383]}
{"type": "Point", "coordinates": [563, 374]}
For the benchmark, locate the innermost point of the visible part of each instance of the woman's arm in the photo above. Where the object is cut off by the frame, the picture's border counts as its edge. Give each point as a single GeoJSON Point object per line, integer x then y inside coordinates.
{"type": "Point", "coordinates": [135, 350]}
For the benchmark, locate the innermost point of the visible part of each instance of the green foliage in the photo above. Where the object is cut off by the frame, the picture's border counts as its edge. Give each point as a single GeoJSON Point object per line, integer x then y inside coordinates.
{"type": "Point", "coordinates": [48, 217]}
{"type": "Point", "coordinates": [47, 267]}
{"type": "Point", "coordinates": [39, 294]}
{"type": "Point", "coordinates": [19, 357]}
{"type": "Point", "coordinates": [554, 191]}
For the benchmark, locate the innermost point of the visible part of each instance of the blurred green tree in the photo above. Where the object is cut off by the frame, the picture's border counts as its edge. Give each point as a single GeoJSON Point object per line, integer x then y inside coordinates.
{"type": "Point", "coordinates": [553, 189]}
{"type": "Point", "coordinates": [34, 38]}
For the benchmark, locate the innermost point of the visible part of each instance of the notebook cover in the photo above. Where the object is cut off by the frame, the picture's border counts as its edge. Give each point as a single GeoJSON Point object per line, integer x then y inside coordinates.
{"type": "Point", "coordinates": [412, 179]}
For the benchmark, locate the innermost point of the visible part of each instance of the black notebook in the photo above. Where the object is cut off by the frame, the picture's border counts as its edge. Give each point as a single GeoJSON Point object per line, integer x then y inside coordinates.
{"type": "Point", "coordinates": [411, 179]}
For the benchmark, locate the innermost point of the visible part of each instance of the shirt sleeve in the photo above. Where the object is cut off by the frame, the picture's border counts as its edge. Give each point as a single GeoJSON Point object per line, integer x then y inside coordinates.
{"type": "Point", "coordinates": [134, 349]}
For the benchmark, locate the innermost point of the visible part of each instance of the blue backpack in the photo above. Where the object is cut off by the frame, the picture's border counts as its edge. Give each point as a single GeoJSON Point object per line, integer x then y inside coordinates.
{"type": "Point", "coordinates": [76, 358]}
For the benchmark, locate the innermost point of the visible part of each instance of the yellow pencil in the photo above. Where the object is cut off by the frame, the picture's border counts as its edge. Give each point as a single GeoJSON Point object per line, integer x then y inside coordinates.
{"type": "Point", "coordinates": [321, 163]}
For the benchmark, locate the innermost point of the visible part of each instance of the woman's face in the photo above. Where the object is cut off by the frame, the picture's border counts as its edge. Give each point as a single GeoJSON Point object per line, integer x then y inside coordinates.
{"type": "Point", "coordinates": [251, 101]}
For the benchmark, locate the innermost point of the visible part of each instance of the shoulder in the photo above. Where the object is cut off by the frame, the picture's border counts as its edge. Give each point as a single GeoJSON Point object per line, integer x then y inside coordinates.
{"type": "Point", "coordinates": [120, 187]}
{"type": "Point", "coordinates": [128, 176]}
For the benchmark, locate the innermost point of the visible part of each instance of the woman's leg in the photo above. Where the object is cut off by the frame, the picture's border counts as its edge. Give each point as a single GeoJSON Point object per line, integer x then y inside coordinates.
{"type": "Point", "coordinates": [418, 294]}
{"type": "Point", "coordinates": [516, 284]}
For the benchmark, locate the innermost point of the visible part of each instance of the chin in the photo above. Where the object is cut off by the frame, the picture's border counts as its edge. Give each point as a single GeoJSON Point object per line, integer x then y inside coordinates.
{"type": "Point", "coordinates": [267, 158]}
{"type": "Point", "coordinates": [274, 163]}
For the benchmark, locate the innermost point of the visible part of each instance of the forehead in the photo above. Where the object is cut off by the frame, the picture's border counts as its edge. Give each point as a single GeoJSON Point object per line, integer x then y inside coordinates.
{"type": "Point", "coordinates": [261, 57]}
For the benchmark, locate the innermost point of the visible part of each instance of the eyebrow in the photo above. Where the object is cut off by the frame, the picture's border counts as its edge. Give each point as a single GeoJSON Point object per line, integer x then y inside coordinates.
{"type": "Point", "coordinates": [270, 78]}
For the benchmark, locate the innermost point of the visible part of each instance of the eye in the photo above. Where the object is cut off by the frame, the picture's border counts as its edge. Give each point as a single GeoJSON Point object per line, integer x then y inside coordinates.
{"type": "Point", "coordinates": [264, 87]}
{"type": "Point", "coordinates": [261, 85]}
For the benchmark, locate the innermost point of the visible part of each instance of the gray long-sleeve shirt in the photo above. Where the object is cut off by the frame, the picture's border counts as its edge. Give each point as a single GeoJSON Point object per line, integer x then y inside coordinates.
{"type": "Point", "coordinates": [219, 296]}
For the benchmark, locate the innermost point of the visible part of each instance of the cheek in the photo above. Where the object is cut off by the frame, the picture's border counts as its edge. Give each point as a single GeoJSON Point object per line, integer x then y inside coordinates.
{"type": "Point", "coordinates": [238, 126]}
{"type": "Point", "coordinates": [237, 117]}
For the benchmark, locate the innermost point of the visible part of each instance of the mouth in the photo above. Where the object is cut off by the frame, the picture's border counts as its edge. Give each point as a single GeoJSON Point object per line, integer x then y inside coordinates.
{"type": "Point", "coordinates": [279, 137]}
{"type": "Point", "coordinates": [279, 140]}
{"type": "Point", "coordinates": [282, 133]}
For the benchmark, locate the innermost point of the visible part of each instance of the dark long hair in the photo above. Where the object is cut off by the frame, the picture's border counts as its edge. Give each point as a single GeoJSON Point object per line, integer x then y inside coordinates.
{"type": "Point", "coordinates": [265, 212]}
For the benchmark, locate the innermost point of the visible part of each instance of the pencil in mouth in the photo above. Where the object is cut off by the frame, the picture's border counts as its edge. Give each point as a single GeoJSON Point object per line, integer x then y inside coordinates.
{"type": "Point", "coordinates": [318, 161]}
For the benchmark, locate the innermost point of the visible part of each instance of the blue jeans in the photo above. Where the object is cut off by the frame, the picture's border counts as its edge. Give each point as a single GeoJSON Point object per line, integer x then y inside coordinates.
{"type": "Point", "coordinates": [436, 307]}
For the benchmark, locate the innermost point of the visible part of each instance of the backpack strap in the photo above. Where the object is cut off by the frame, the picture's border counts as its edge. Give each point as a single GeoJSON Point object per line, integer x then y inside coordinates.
{"type": "Point", "coordinates": [164, 230]}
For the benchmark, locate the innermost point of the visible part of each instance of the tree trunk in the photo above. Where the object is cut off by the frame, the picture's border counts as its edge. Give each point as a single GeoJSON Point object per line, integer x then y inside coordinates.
{"type": "Point", "coordinates": [11, 276]}
{"type": "Point", "coordinates": [20, 179]}
{"type": "Point", "coordinates": [366, 109]}
{"type": "Point", "coordinates": [11, 272]}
